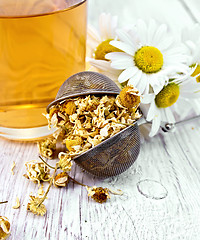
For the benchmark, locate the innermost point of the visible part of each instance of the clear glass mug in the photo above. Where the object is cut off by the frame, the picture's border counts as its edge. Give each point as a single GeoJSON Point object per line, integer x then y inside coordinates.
{"type": "Point", "coordinates": [38, 52]}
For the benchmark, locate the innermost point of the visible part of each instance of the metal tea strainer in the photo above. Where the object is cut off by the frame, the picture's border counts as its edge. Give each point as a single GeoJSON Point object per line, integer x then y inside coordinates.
{"type": "Point", "coordinates": [116, 154]}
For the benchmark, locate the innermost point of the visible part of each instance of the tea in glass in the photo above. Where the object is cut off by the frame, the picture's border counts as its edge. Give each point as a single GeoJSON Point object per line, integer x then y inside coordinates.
{"type": "Point", "coordinates": [38, 53]}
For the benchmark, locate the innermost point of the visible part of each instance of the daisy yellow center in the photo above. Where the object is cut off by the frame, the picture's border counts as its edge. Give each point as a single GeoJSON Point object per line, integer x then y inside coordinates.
{"type": "Point", "coordinates": [167, 96]}
{"type": "Point", "coordinates": [149, 59]}
{"type": "Point", "coordinates": [103, 48]}
{"type": "Point", "coordinates": [196, 72]}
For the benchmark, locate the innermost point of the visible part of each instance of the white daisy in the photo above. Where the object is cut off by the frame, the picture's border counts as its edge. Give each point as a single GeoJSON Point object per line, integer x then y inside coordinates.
{"type": "Point", "coordinates": [176, 93]}
{"type": "Point", "coordinates": [98, 44]}
{"type": "Point", "coordinates": [148, 58]}
{"type": "Point", "coordinates": [191, 40]}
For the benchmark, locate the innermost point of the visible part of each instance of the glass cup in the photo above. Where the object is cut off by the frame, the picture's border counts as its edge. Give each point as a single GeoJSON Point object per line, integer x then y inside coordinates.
{"type": "Point", "coordinates": [38, 52]}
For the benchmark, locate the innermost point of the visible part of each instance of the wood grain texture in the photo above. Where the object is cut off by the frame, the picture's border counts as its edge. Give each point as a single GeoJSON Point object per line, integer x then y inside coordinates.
{"type": "Point", "coordinates": [192, 7]}
{"type": "Point", "coordinates": [170, 159]}
{"type": "Point", "coordinates": [173, 12]}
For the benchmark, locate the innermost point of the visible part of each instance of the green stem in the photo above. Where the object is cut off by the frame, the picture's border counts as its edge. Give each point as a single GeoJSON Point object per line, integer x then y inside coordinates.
{"type": "Point", "coordinates": [50, 184]}
{"type": "Point", "coordinates": [46, 163]}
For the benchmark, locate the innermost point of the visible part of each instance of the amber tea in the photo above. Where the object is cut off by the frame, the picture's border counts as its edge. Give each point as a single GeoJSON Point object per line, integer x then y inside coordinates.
{"type": "Point", "coordinates": [38, 53]}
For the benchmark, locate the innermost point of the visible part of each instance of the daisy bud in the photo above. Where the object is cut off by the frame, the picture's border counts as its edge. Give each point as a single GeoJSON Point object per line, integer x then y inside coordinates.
{"type": "Point", "coordinates": [35, 206]}
{"type": "Point", "coordinates": [37, 171]}
{"type": "Point", "coordinates": [61, 180]}
{"type": "Point", "coordinates": [98, 194]}
{"type": "Point", "coordinates": [129, 97]}
{"type": "Point", "coordinates": [47, 147]}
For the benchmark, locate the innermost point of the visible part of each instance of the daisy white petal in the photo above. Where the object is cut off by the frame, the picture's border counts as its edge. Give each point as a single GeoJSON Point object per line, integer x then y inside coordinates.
{"type": "Point", "coordinates": [165, 44]}
{"type": "Point", "coordinates": [103, 65]}
{"type": "Point", "coordinates": [146, 90]}
{"type": "Point", "coordinates": [136, 79]}
{"type": "Point", "coordinates": [191, 95]}
{"type": "Point", "coordinates": [121, 63]}
{"type": "Point", "coordinates": [190, 85]}
{"type": "Point", "coordinates": [126, 74]}
{"type": "Point", "coordinates": [118, 55]}
{"type": "Point", "coordinates": [160, 33]}
{"type": "Point", "coordinates": [191, 46]}
{"type": "Point", "coordinates": [123, 46]}
{"type": "Point", "coordinates": [152, 111]}
{"type": "Point", "coordinates": [151, 31]}
{"type": "Point", "coordinates": [157, 83]}
{"type": "Point", "coordinates": [169, 115]}
{"type": "Point", "coordinates": [142, 30]}
{"type": "Point", "coordinates": [155, 125]}
{"type": "Point", "coordinates": [125, 37]}
{"type": "Point", "coordinates": [142, 85]}
{"type": "Point", "coordinates": [93, 34]}
{"type": "Point", "coordinates": [107, 24]}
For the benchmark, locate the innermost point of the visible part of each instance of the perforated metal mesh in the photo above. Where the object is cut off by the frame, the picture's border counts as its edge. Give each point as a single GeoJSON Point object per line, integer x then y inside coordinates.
{"type": "Point", "coordinates": [85, 83]}
{"type": "Point", "coordinates": [114, 155]}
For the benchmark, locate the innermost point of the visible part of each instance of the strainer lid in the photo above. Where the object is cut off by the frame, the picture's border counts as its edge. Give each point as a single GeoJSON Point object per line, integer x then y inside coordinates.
{"type": "Point", "coordinates": [85, 83]}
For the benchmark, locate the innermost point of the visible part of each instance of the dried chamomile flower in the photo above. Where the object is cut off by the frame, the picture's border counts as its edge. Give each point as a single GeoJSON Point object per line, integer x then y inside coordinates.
{"type": "Point", "coordinates": [73, 141]}
{"type": "Point", "coordinates": [129, 97]}
{"type": "Point", "coordinates": [17, 205]}
{"type": "Point", "coordinates": [12, 167]}
{"type": "Point", "coordinates": [99, 194]}
{"type": "Point", "coordinates": [47, 147]}
{"type": "Point", "coordinates": [35, 206]}
{"type": "Point", "coordinates": [4, 228]}
{"type": "Point", "coordinates": [65, 162]}
{"type": "Point", "coordinates": [69, 107]}
{"type": "Point", "coordinates": [61, 179]}
{"type": "Point", "coordinates": [53, 110]}
{"type": "Point", "coordinates": [37, 171]}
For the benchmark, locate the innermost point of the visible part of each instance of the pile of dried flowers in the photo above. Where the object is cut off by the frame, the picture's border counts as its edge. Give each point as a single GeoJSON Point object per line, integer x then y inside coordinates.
{"type": "Point", "coordinates": [82, 123]}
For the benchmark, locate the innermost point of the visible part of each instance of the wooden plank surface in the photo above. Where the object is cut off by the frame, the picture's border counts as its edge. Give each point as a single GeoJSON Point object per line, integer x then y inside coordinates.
{"type": "Point", "coordinates": [170, 159]}
{"type": "Point", "coordinates": [168, 166]}
{"type": "Point", "coordinates": [173, 12]}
